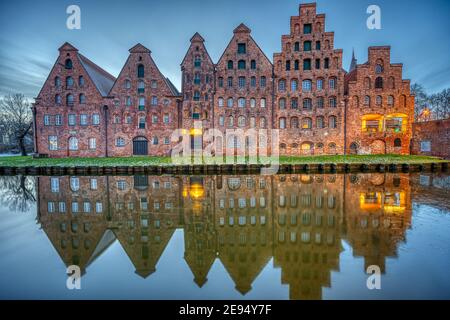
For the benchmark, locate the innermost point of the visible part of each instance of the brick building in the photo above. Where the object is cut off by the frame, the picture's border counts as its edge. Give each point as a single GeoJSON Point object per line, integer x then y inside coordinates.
{"type": "Point", "coordinates": [380, 107]}
{"type": "Point", "coordinates": [309, 87]}
{"type": "Point", "coordinates": [317, 106]}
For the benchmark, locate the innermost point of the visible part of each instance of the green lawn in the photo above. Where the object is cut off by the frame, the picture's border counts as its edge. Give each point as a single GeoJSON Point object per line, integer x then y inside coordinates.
{"type": "Point", "coordinates": [18, 161]}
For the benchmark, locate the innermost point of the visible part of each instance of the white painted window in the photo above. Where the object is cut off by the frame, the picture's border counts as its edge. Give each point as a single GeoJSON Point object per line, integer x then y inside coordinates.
{"type": "Point", "coordinates": [73, 143]}
{"type": "Point", "coordinates": [92, 143]}
{"type": "Point", "coordinates": [53, 143]}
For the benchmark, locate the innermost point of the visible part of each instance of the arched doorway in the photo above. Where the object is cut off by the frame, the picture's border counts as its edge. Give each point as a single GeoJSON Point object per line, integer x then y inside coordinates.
{"type": "Point", "coordinates": [140, 146]}
{"type": "Point", "coordinates": [378, 147]}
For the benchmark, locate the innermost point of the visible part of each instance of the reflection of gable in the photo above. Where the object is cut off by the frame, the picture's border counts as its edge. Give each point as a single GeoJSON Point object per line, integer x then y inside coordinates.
{"type": "Point", "coordinates": [105, 242]}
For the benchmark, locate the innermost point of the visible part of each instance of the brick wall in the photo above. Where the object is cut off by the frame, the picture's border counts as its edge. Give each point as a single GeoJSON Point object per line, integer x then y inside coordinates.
{"type": "Point", "coordinates": [432, 134]}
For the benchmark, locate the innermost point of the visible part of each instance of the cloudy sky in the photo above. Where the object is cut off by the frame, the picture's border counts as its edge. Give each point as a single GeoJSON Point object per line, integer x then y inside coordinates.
{"type": "Point", "coordinates": [32, 31]}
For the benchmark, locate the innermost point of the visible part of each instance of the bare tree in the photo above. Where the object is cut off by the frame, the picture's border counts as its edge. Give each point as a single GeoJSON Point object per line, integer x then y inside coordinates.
{"type": "Point", "coordinates": [18, 193]}
{"type": "Point", "coordinates": [16, 117]}
{"type": "Point", "coordinates": [420, 99]}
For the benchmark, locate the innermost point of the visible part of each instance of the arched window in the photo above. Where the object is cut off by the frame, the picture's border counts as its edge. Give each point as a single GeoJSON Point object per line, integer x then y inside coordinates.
{"type": "Point", "coordinates": [294, 103]}
{"type": "Point", "coordinates": [378, 68]}
{"type": "Point", "coordinates": [262, 82]}
{"type": "Point", "coordinates": [320, 102]}
{"type": "Point", "coordinates": [230, 82]}
{"type": "Point", "coordinates": [241, 64]}
{"type": "Point", "coordinates": [252, 103]}
{"type": "Point", "coordinates": [294, 85]}
{"type": "Point", "coordinates": [306, 123]}
{"type": "Point", "coordinates": [140, 71]}
{"type": "Point", "coordinates": [127, 84]}
{"type": "Point", "coordinates": [230, 121]}
{"type": "Point", "coordinates": [333, 102]}
{"type": "Point", "coordinates": [320, 123]}
{"type": "Point", "coordinates": [397, 143]}
{"type": "Point", "coordinates": [379, 100]}
{"type": "Point", "coordinates": [252, 122]}
{"type": "Point", "coordinates": [282, 123]}
{"type": "Point", "coordinates": [73, 143]}
{"type": "Point", "coordinates": [241, 82]}
{"type": "Point", "coordinates": [220, 102]}
{"type": "Point", "coordinates": [253, 82]}
{"type": "Point", "coordinates": [69, 82]}
{"type": "Point", "coordinates": [282, 85]}
{"type": "Point", "coordinates": [356, 101]}
{"type": "Point", "coordinates": [282, 103]}
{"type": "Point", "coordinates": [69, 99]}
{"type": "Point", "coordinates": [332, 83]}
{"type": "Point", "coordinates": [307, 104]}
{"type": "Point", "coordinates": [390, 101]}
{"type": "Point", "coordinates": [58, 99]}
{"type": "Point", "coordinates": [81, 81]}
{"type": "Point", "coordinates": [294, 123]}
{"type": "Point", "coordinates": [306, 85]}
{"type": "Point", "coordinates": [241, 102]}
{"type": "Point", "coordinates": [230, 103]}
{"type": "Point", "coordinates": [262, 103]}
{"type": "Point", "coordinates": [403, 101]}
{"type": "Point", "coordinates": [230, 64]}
{"type": "Point", "coordinates": [332, 122]}
{"type": "Point", "coordinates": [141, 102]}
{"type": "Point", "coordinates": [379, 83]}
{"type": "Point", "coordinates": [57, 82]}
{"type": "Point", "coordinates": [68, 64]}
{"type": "Point", "coordinates": [82, 98]}
{"type": "Point", "coordinates": [253, 64]}
{"type": "Point", "coordinates": [367, 101]}
{"type": "Point", "coordinates": [241, 121]}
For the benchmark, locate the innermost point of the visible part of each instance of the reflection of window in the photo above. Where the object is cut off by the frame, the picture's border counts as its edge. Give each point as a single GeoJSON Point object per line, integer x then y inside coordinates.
{"type": "Point", "coordinates": [74, 183]}
{"type": "Point", "coordinates": [53, 143]}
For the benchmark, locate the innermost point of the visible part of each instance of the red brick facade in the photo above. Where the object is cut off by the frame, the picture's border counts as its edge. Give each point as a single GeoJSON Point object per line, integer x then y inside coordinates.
{"type": "Point", "coordinates": [431, 138]}
{"type": "Point", "coordinates": [318, 106]}
{"type": "Point", "coordinates": [380, 108]}
{"type": "Point", "coordinates": [309, 87]}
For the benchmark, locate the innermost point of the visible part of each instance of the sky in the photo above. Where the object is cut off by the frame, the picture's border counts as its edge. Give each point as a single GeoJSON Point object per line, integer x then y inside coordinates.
{"type": "Point", "coordinates": [32, 31]}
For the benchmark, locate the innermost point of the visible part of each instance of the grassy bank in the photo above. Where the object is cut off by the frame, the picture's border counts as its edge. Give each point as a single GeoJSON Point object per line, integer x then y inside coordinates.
{"type": "Point", "coordinates": [18, 161]}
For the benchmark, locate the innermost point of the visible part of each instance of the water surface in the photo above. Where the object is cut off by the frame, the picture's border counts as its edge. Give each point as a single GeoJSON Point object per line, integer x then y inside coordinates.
{"type": "Point", "coordinates": [226, 237]}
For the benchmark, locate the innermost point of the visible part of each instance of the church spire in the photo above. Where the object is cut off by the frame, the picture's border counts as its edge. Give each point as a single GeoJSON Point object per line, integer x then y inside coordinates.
{"type": "Point", "coordinates": [354, 62]}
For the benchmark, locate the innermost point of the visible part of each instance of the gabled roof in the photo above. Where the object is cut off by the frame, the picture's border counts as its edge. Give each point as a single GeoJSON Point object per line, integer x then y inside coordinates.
{"type": "Point", "coordinates": [139, 48]}
{"type": "Point", "coordinates": [172, 87]}
{"type": "Point", "coordinates": [102, 79]}
{"type": "Point", "coordinates": [242, 28]}
{"type": "Point", "coordinates": [67, 47]}
{"type": "Point", "coordinates": [197, 38]}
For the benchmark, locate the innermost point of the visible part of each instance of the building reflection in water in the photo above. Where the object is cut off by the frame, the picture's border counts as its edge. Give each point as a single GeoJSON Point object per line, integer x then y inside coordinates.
{"type": "Point", "coordinates": [244, 221]}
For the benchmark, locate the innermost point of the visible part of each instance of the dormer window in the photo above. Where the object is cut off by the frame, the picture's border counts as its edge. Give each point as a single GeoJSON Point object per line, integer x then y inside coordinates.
{"type": "Point", "coordinates": [68, 64]}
